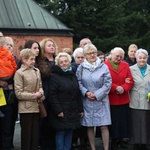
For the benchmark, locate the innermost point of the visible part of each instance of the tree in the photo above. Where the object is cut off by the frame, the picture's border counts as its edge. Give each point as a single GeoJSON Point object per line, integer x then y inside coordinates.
{"type": "Point", "coordinates": [108, 23]}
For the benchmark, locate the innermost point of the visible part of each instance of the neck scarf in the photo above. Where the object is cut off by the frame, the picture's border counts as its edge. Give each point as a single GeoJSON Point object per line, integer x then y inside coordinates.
{"type": "Point", "coordinates": [92, 66]}
{"type": "Point", "coordinates": [65, 70]}
{"type": "Point", "coordinates": [115, 66]}
{"type": "Point", "coordinates": [143, 70]}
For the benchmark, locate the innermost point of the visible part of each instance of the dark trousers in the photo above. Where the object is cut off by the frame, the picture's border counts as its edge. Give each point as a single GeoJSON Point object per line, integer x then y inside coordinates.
{"type": "Point", "coordinates": [6, 127]}
{"type": "Point", "coordinates": [47, 135]}
{"type": "Point", "coordinates": [29, 131]}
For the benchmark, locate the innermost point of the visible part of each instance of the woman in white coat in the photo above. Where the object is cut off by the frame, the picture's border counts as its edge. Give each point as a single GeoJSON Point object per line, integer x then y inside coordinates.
{"type": "Point", "coordinates": [140, 101]}
{"type": "Point", "coordinates": [95, 83]}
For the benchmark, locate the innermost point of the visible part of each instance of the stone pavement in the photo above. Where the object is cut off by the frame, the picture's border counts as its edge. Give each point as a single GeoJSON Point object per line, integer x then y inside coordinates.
{"type": "Point", "coordinates": [17, 141]}
{"type": "Point", "coordinates": [17, 138]}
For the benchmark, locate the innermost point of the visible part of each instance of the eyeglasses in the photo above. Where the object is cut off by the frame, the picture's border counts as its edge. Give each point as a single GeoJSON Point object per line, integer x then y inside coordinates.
{"type": "Point", "coordinates": [91, 53]}
{"type": "Point", "coordinates": [118, 56]}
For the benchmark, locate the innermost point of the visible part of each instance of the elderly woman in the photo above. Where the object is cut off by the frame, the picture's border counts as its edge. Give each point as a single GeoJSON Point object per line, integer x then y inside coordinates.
{"type": "Point", "coordinates": [139, 104]}
{"type": "Point", "coordinates": [65, 101]}
{"type": "Point", "coordinates": [131, 60]}
{"type": "Point", "coordinates": [28, 89]}
{"type": "Point", "coordinates": [78, 58]}
{"type": "Point", "coordinates": [122, 82]}
{"type": "Point", "coordinates": [95, 82]}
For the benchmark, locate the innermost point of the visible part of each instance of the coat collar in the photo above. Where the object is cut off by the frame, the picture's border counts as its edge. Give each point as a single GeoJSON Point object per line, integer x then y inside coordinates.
{"type": "Point", "coordinates": [23, 67]}
{"type": "Point", "coordinates": [121, 66]}
{"type": "Point", "coordinates": [136, 69]}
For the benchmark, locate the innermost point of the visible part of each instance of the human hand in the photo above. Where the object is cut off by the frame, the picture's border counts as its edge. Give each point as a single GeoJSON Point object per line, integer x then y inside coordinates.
{"type": "Point", "coordinates": [3, 83]}
{"type": "Point", "coordinates": [127, 80]}
{"type": "Point", "coordinates": [119, 90]}
{"type": "Point", "coordinates": [90, 95]}
{"type": "Point", "coordinates": [42, 98]}
{"type": "Point", "coordinates": [81, 114]}
{"type": "Point", "coordinates": [61, 115]}
{"type": "Point", "coordinates": [38, 94]}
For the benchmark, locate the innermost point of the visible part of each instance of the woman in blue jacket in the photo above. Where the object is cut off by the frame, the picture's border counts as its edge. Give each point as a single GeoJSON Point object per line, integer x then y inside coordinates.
{"type": "Point", "coordinates": [95, 83]}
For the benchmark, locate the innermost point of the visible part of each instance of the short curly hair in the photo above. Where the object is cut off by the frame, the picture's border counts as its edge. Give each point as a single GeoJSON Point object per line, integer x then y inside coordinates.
{"type": "Point", "coordinates": [141, 50]}
{"type": "Point", "coordinates": [61, 54]}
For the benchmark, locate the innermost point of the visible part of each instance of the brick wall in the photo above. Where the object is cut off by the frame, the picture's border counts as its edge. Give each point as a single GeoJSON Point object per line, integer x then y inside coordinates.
{"type": "Point", "coordinates": [61, 41]}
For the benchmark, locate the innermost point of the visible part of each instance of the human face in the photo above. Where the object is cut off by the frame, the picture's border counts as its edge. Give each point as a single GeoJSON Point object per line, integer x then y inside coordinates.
{"type": "Point", "coordinates": [64, 63]}
{"type": "Point", "coordinates": [131, 53]}
{"type": "Point", "coordinates": [79, 58]}
{"type": "Point", "coordinates": [141, 59]}
{"type": "Point", "coordinates": [29, 62]}
{"type": "Point", "coordinates": [9, 47]}
{"type": "Point", "coordinates": [49, 47]}
{"type": "Point", "coordinates": [35, 47]}
{"type": "Point", "coordinates": [117, 57]}
{"type": "Point", "coordinates": [102, 57]}
{"type": "Point", "coordinates": [91, 56]}
{"type": "Point", "coordinates": [84, 42]}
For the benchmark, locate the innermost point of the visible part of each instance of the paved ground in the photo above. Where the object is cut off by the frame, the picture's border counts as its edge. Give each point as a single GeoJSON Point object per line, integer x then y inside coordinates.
{"type": "Point", "coordinates": [17, 137]}
{"type": "Point", "coordinates": [17, 141]}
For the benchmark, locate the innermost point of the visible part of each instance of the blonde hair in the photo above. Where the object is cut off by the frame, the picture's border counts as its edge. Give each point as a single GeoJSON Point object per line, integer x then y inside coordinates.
{"type": "Point", "coordinates": [9, 40]}
{"type": "Point", "coordinates": [61, 54]}
{"type": "Point", "coordinates": [67, 50]}
{"type": "Point", "coordinates": [88, 47]}
{"type": "Point", "coordinates": [42, 45]}
{"type": "Point", "coordinates": [2, 41]}
{"type": "Point", "coordinates": [27, 53]}
{"type": "Point", "coordinates": [132, 46]}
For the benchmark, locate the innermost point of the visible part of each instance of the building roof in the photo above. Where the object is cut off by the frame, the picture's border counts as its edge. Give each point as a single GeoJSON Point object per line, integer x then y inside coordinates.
{"type": "Point", "coordinates": [29, 16]}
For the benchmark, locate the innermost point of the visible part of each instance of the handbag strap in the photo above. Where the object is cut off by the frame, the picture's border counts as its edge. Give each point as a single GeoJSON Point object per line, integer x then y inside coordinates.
{"type": "Point", "coordinates": [38, 100]}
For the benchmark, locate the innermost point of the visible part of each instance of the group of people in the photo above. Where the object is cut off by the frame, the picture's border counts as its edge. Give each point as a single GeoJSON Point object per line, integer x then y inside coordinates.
{"type": "Point", "coordinates": [81, 91]}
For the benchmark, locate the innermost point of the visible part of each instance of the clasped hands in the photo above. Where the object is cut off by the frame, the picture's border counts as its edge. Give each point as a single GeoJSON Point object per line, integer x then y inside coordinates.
{"type": "Point", "coordinates": [90, 95]}
{"type": "Point", "coordinates": [119, 90]}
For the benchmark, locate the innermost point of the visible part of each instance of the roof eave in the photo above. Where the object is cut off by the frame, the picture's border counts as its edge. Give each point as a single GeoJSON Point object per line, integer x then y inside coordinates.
{"type": "Point", "coordinates": [29, 31]}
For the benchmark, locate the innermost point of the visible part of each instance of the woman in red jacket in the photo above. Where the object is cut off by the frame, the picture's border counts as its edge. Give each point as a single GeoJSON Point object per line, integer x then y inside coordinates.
{"type": "Point", "coordinates": [122, 82]}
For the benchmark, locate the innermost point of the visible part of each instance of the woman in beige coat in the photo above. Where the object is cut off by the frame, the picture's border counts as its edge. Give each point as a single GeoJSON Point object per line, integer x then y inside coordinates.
{"type": "Point", "coordinates": [28, 89]}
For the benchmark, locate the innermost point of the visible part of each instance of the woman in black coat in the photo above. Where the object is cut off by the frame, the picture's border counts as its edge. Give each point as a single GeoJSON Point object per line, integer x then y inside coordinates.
{"type": "Point", "coordinates": [65, 101]}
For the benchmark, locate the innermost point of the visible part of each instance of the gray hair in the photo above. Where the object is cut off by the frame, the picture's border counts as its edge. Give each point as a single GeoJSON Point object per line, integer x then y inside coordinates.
{"type": "Point", "coordinates": [61, 54]}
{"type": "Point", "coordinates": [88, 47]}
{"type": "Point", "coordinates": [141, 50]}
{"type": "Point", "coordinates": [76, 51]}
{"type": "Point", "coordinates": [117, 49]}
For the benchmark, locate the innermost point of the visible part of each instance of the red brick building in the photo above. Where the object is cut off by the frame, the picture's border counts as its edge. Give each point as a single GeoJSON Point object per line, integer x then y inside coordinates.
{"type": "Point", "coordinates": [25, 19]}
